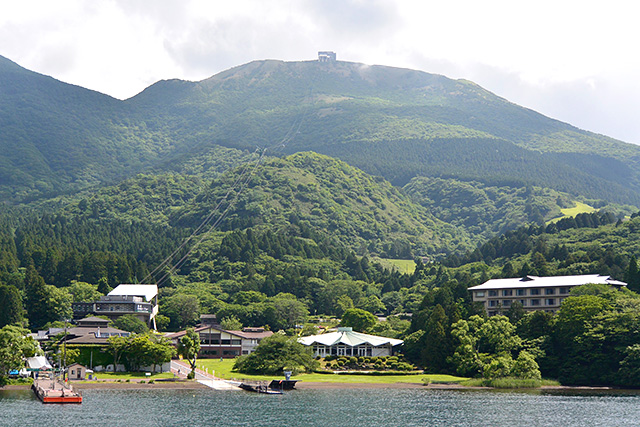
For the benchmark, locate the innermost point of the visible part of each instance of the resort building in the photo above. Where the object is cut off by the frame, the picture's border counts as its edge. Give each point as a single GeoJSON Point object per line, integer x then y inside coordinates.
{"type": "Point", "coordinates": [346, 342]}
{"type": "Point", "coordinates": [534, 293]}
{"type": "Point", "coordinates": [217, 342]}
{"type": "Point", "coordinates": [90, 330]}
{"type": "Point", "coordinates": [139, 300]}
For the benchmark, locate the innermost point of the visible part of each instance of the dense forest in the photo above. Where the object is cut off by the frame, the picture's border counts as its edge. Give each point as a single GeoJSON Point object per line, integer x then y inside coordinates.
{"type": "Point", "coordinates": [283, 266]}
{"type": "Point", "coordinates": [279, 194]}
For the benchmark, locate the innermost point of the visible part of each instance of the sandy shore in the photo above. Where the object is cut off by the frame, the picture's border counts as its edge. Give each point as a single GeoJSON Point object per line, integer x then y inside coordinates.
{"type": "Point", "coordinates": [157, 385]}
{"type": "Point", "coordinates": [336, 386]}
{"type": "Point", "coordinates": [114, 385]}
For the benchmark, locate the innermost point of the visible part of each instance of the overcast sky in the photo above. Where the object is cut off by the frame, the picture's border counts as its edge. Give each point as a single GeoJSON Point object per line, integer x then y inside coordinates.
{"type": "Point", "coordinates": [576, 61]}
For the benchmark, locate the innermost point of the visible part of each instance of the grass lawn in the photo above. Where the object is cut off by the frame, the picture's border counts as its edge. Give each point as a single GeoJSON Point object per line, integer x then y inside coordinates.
{"type": "Point", "coordinates": [407, 266]}
{"type": "Point", "coordinates": [571, 212]}
{"type": "Point", "coordinates": [223, 370]}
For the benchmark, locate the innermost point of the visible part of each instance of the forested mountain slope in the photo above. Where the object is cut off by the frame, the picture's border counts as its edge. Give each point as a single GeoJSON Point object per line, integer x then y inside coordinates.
{"type": "Point", "coordinates": [387, 121]}
{"type": "Point", "coordinates": [57, 137]}
{"type": "Point", "coordinates": [396, 123]}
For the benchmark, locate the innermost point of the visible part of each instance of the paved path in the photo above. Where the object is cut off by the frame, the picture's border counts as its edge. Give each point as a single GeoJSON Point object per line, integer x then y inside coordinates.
{"type": "Point", "coordinates": [181, 368]}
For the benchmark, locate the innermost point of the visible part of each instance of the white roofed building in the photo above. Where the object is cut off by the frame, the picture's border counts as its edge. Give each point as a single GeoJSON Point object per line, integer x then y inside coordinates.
{"type": "Point", "coordinates": [139, 300]}
{"type": "Point", "coordinates": [534, 293]}
{"type": "Point", "coordinates": [346, 342]}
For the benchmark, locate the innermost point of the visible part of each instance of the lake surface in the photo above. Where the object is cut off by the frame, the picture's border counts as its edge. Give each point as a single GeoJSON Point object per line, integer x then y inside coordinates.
{"type": "Point", "coordinates": [375, 407]}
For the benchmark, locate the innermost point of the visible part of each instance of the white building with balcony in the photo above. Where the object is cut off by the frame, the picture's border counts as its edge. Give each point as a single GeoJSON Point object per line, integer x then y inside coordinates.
{"type": "Point", "coordinates": [139, 300]}
{"type": "Point", "coordinates": [534, 293]}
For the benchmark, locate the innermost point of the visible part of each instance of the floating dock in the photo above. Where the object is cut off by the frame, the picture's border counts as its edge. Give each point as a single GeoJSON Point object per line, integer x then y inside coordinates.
{"type": "Point", "coordinates": [52, 391]}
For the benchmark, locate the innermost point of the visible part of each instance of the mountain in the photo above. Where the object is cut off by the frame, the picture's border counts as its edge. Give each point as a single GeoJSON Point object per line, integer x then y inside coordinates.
{"type": "Point", "coordinates": [396, 123]}
{"type": "Point", "coordinates": [391, 122]}
{"type": "Point", "coordinates": [313, 191]}
{"type": "Point", "coordinates": [58, 137]}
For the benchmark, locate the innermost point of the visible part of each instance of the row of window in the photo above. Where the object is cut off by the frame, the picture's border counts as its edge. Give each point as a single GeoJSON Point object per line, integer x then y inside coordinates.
{"type": "Point", "coordinates": [494, 313]}
{"type": "Point", "coordinates": [342, 350]}
{"type": "Point", "coordinates": [222, 353]}
{"type": "Point", "coordinates": [535, 302]}
{"type": "Point", "coordinates": [523, 292]}
{"type": "Point", "coordinates": [223, 342]}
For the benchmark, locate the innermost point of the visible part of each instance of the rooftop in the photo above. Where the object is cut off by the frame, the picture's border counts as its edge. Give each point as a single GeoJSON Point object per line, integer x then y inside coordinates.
{"type": "Point", "coordinates": [546, 282]}
{"type": "Point", "coordinates": [349, 337]}
{"type": "Point", "coordinates": [148, 292]}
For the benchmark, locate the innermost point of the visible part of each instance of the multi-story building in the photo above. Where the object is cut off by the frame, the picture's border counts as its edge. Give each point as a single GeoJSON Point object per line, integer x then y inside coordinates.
{"type": "Point", "coordinates": [217, 342]}
{"type": "Point", "coordinates": [139, 300]}
{"type": "Point", "coordinates": [532, 292]}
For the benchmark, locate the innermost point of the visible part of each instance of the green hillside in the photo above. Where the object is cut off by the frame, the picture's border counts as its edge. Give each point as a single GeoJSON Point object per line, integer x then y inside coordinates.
{"type": "Point", "coordinates": [396, 123]}
{"type": "Point", "coordinates": [364, 213]}
{"type": "Point", "coordinates": [58, 137]}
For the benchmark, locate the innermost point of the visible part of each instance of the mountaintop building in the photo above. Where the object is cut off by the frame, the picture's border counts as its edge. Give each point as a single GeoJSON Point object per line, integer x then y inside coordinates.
{"type": "Point", "coordinates": [533, 292]}
{"type": "Point", "coordinates": [326, 56]}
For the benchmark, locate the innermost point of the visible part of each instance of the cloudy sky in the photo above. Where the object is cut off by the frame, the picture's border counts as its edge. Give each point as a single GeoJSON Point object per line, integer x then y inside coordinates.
{"type": "Point", "coordinates": [576, 61]}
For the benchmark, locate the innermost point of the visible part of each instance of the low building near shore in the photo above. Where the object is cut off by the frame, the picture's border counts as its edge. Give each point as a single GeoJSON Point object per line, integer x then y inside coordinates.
{"type": "Point", "coordinates": [532, 292]}
{"type": "Point", "coordinates": [217, 342]}
{"type": "Point", "coordinates": [346, 342]}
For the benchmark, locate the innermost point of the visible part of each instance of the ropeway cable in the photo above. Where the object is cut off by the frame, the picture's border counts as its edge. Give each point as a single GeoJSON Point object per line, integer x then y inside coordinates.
{"type": "Point", "coordinates": [289, 136]}
{"type": "Point", "coordinates": [182, 260]}
{"type": "Point", "coordinates": [202, 224]}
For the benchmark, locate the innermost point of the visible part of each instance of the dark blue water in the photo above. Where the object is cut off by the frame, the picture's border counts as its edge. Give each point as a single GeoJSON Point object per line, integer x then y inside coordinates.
{"type": "Point", "coordinates": [376, 407]}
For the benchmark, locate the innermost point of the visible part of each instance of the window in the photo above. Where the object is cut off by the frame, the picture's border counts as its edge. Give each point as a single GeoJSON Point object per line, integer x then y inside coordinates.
{"type": "Point", "coordinates": [549, 291]}
{"type": "Point", "coordinates": [535, 292]}
{"type": "Point", "coordinates": [507, 292]}
{"type": "Point", "coordinates": [550, 301]}
{"type": "Point", "coordinates": [523, 302]}
{"type": "Point", "coordinates": [480, 294]}
{"type": "Point", "coordinates": [506, 303]}
{"type": "Point", "coordinates": [535, 302]}
{"type": "Point", "coordinates": [563, 291]}
{"type": "Point", "coordinates": [492, 303]}
{"type": "Point", "coordinates": [493, 293]}
{"type": "Point", "coordinates": [521, 292]}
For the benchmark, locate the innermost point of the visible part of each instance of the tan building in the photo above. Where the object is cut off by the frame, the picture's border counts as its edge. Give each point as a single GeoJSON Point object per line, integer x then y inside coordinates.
{"type": "Point", "coordinates": [217, 342]}
{"type": "Point", "coordinates": [534, 293]}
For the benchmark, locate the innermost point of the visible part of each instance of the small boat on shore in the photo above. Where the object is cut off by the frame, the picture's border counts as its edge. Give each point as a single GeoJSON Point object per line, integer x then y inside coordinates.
{"type": "Point", "coordinates": [259, 389]}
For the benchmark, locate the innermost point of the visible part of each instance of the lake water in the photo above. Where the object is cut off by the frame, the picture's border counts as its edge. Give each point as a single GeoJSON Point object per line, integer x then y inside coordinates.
{"type": "Point", "coordinates": [374, 407]}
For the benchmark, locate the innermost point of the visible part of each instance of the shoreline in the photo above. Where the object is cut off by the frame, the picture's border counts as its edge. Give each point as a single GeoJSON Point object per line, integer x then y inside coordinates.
{"type": "Point", "coordinates": [194, 385]}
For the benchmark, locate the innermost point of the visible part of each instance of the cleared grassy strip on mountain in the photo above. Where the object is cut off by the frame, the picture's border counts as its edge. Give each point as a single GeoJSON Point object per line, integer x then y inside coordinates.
{"type": "Point", "coordinates": [571, 212]}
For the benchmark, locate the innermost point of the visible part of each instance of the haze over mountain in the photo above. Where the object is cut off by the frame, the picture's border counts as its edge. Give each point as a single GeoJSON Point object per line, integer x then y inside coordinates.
{"type": "Point", "coordinates": [387, 121]}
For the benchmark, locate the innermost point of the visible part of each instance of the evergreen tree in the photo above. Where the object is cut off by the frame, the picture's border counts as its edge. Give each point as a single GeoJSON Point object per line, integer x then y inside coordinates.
{"type": "Point", "coordinates": [437, 341]}
{"type": "Point", "coordinates": [11, 303]}
{"type": "Point", "coordinates": [632, 276]}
